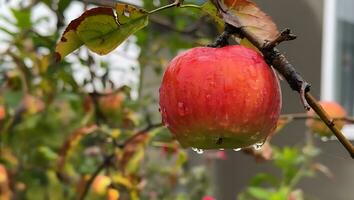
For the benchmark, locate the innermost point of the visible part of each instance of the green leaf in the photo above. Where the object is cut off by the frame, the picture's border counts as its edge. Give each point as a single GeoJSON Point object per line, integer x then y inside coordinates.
{"type": "Point", "coordinates": [101, 29]}
{"type": "Point", "coordinates": [134, 163]}
{"type": "Point", "coordinates": [23, 18]}
{"type": "Point", "coordinates": [281, 194]}
{"type": "Point", "coordinates": [63, 4]}
{"type": "Point", "coordinates": [259, 193]}
{"type": "Point", "coordinates": [263, 178]}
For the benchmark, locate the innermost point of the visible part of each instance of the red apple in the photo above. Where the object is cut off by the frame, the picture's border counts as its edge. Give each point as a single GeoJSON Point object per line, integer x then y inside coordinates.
{"type": "Point", "coordinates": [334, 110]}
{"type": "Point", "coordinates": [2, 112]}
{"type": "Point", "coordinates": [111, 105]}
{"type": "Point", "coordinates": [220, 98]}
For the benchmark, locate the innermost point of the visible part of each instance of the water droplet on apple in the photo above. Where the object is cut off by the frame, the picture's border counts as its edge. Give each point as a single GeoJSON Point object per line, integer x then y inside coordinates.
{"type": "Point", "coordinates": [208, 96]}
{"type": "Point", "coordinates": [181, 109]}
{"type": "Point", "coordinates": [212, 83]}
{"type": "Point", "coordinates": [258, 146]}
{"type": "Point", "coordinates": [237, 149]}
{"type": "Point", "coordinates": [198, 151]}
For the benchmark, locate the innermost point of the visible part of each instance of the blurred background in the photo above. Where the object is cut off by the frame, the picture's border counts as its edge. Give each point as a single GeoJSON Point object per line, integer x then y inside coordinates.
{"type": "Point", "coordinates": [59, 122]}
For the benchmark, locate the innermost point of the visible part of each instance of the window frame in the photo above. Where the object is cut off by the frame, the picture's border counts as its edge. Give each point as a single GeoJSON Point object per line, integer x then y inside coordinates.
{"type": "Point", "coordinates": [329, 38]}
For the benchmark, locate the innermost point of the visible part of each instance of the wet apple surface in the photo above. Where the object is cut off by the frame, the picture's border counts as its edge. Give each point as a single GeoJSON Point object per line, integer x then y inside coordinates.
{"type": "Point", "coordinates": [213, 98]}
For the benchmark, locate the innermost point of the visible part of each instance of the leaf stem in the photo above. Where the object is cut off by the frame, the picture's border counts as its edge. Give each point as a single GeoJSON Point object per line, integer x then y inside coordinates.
{"type": "Point", "coordinates": [191, 6]}
{"type": "Point", "coordinates": [163, 8]}
{"type": "Point", "coordinates": [174, 5]}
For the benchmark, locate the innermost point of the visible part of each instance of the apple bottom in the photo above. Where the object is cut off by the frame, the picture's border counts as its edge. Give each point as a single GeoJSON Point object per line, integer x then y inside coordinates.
{"type": "Point", "coordinates": [224, 140]}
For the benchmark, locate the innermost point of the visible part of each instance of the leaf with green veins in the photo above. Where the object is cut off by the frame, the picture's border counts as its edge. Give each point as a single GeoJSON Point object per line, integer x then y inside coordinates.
{"type": "Point", "coordinates": [101, 29]}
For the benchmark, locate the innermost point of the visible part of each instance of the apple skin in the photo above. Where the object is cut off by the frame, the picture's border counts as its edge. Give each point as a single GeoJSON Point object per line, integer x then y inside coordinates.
{"type": "Point", "coordinates": [334, 110]}
{"type": "Point", "coordinates": [214, 98]}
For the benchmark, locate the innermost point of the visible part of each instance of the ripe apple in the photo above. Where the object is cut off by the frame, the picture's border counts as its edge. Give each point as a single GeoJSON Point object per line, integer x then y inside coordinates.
{"type": "Point", "coordinates": [112, 194]}
{"type": "Point", "coordinates": [111, 105]}
{"type": "Point", "coordinates": [100, 184]}
{"type": "Point", "coordinates": [334, 110]}
{"type": "Point", "coordinates": [3, 174]}
{"type": "Point", "coordinates": [2, 112]}
{"type": "Point", "coordinates": [220, 98]}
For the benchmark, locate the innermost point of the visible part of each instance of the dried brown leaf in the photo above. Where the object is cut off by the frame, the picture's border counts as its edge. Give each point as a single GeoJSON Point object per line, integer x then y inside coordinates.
{"type": "Point", "coordinates": [247, 15]}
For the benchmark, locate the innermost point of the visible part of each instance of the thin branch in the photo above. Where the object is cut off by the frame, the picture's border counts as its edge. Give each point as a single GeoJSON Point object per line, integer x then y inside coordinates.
{"type": "Point", "coordinates": [106, 3]}
{"type": "Point", "coordinates": [304, 116]}
{"type": "Point", "coordinates": [107, 161]}
{"type": "Point", "coordinates": [141, 132]}
{"type": "Point", "coordinates": [285, 35]}
{"type": "Point", "coordinates": [112, 4]}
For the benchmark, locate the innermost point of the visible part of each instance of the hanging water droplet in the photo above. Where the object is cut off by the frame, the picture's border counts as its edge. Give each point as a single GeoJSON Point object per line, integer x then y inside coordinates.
{"type": "Point", "coordinates": [198, 151]}
{"type": "Point", "coordinates": [332, 137]}
{"type": "Point", "coordinates": [258, 146]}
{"type": "Point", "coordinates": [237, 149]}
{"type": "Point", "coordinates": [324, 139]}
{"type": "Point", "coordinates": [126, 13]}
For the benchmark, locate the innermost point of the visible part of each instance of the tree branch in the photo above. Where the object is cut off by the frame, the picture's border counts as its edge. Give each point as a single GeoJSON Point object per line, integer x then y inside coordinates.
{"type": "Point", "coordinates": [101, 167]}
{"type": "Point", "coordinates": [105, 3]}
{"type": "Point", "coordinates": [304, 116]}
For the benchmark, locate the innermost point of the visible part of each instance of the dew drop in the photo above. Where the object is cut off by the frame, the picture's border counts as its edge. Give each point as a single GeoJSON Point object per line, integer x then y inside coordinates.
{"type": "Point", "coordinates": [126, 13]}
{"type": "Point", "coordinates": [198, 151]}
{"type": "Point", "coordinates": [181, 109]}
{"type": "Point", "coordinates": [237, 149]}
{"type": "Point", "coordinates": [324, 139]}
{"type": "Point", "coordinates": [258, 146]}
